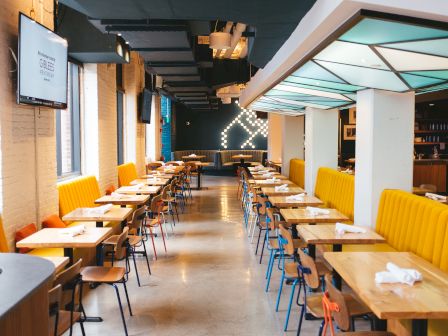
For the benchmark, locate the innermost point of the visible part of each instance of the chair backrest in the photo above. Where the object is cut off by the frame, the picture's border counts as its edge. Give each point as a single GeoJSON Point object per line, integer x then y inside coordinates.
{"type": "Point", "coordinates": [126, 174]}
{"type": "Point", "coordinates": [54, 305]}
{"type": "Point", "coordinates": [262, 200]}
{"type": "Point", "coordinates": [342, 314]}
{"type": "Point", "coordinates": [286, 235]}
{"type": "Point", "coordinates": [309, 272]}
{"type": "Point", "coordinates": [165, 191]}
{"type": "Point", "coordinates": [272, 220]}
{"type": "Point", "coordinates": [120, 246]}
{"type": "Point", "coordinates": [155, 204]}
{"type": "Point", "coordinates": [68, 275]}
{"type": "Point", "coordinates": [153, 165]}
{"type": "Point", "coordinates": [173, 163]}
{"type": "Point", "coordinates": [137, 218]}
{"type": "Point", "coordinates": [297, 172]}
{"type": "Point", "coordinates": [192, 165]}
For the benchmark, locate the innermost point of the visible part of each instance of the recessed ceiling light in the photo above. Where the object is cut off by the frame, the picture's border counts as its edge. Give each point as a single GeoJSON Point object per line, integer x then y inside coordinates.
{"type": "Point", "coordinates": [432, 104]}
{"type": "Point", "coordinates": [119, 34]}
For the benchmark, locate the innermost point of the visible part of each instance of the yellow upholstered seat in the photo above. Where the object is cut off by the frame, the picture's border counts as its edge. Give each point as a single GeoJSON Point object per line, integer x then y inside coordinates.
{"type": "Point", "coordinates": [78, 193]}
{"type": "Point", "coordinates": [126, 174]}
{"type": "Point", "coordinates": [297, 172]}
{"type": "Point", "coordinates": [3, 241]}
{"type": "Point", "coordinates": [47, 252]}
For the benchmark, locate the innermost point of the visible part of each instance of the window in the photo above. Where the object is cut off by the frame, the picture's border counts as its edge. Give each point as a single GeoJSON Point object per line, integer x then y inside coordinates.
{"type": "Point", "coordinates": [120, 114]}
{"type": "Point", "coordinates": [68, 130]}
{"type": "Point", "coordinates": [120, 127]}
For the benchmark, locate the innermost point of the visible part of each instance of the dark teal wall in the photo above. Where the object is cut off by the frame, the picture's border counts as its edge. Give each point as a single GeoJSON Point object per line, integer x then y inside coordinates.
{"type": "Point", "coordinates": [166, 128]}
{"type": "Point", "coordinates": [205, 127]}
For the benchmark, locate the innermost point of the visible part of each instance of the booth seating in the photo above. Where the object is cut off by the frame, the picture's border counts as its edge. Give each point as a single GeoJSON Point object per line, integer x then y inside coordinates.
{"type": "Point", "coordinates": [3, 241]}
{"type": "Point", "coordinates": [297, 172]}
{"type": "Point", "coordinates": [227, 162]}
{"type": "Point", "coordinates": [211, 157]}
{"type": "Point", "coordinates": [127, 173]}
{"type": "Point", "coordinates": [79, 193]}
{"type": "Point", "coordinates": [336, 190]}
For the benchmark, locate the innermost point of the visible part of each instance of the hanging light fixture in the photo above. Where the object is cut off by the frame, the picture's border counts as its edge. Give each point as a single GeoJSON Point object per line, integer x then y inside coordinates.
{"type": "Point", "coordinates": [220, 40]}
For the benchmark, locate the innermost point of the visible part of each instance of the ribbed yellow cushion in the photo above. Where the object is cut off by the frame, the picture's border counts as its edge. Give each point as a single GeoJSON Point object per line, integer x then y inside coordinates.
{"type": "Point", "coordinates": [368, 248]}
{"type": "Point", "coordinates": [336, 190]}
{"type": "Point", "coordinates": [3, 241]}
{"type": "Point", "coordinates": [126, 174]}
{"type": "Point", "coordinates": [47, 252]}
{"type": "Point", "coordinates": [297, 172]}
{"type": "Point", "coordinates": [78, 193]}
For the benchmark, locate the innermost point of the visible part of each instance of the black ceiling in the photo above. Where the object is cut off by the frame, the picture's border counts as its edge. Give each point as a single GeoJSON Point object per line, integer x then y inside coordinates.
{"type": "Point", "coordinates": [162, 30]}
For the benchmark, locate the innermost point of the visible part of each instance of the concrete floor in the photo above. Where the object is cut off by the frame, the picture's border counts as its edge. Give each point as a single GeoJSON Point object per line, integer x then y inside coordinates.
{"type": "Point", "coordinates": [209, 282]}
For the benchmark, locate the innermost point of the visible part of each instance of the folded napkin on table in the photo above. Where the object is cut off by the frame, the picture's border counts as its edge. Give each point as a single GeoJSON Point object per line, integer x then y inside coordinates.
{"type": "Point", "coordinates": [133, 188]}
{"type": "Point", "coordinates": [317, 211]}
{"type": "Point", "coordinates": [396, 274]}
{"type": "Point", "coordinates": [435, 197]}
{"type": "Point", "coordinates": [347, 171]}
{"type": "Point", "coordinates": [272, 180]}
{"type": "Point", "coordinates": [192, 155]}
{"type": "Point", "coordinates": [259, 167]}
{"type": "Point", "coordinates": [341, 228]}
{"type": "Point", "coordinates": [268, 174]}
{"type": "Point", "coordinates": [117, 195]}
{"type": "Point", "coordinates": [283, 187]}
{"type": "Point", "coordinates": [73, 231]}
{"type": "Point", "coordinates": [298, 197]}
{"type": "Point", "coordinates": [101, 210]}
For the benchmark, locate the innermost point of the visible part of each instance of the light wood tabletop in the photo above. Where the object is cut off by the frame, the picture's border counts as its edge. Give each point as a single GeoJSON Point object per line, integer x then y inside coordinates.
{"type": "Point", "coordinates": [427, 299]}
{"type": "Point", "coordinates": [270, 191]}
{"type": "Point", "coordinates": [59, 262]}
{"type": "Point", "coordinates": [146, 190]}
{"type": "Point", "coordinates": [195, 157]}
{"type": "Point", "coordinates": [160, 175]}
{"type": "Point", "coordinates": [123, 200]}
{"type": "Point", "coordinates": [241, 156]}
{"type": "Point", "coordinates": [283, 202]}
{"type": "Point", "coordinates": [325, 234]}
{"type": "Point", "coordinates": [54, 238]}
{"type": "Point", "coordinates": [149, 181]}
{"type": "Point", "coordinates": [266, 183]}
{"type": "Point", "coordinates": [274, 173]}
{"type": "Point", "coordinates": [421, 191]}
{"type": "Point", "coordinates": [254, 170]}
{"type": "Point", "coordinates": [301, 216]}
{"type": "Point", "coordinates": [261, 177]}
{"type": "Point", "coordinates": [175, 169]}
{"type": "Point", "coordinates": [115, 214]}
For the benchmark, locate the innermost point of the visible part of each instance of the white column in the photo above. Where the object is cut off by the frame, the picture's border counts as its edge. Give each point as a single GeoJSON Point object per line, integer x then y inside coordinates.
{"type": "Point", "coordinates": [384, 148]}
{"type": "Point", "coordinates": [292, 140]}
{"type": "Point", "coordinates": [275, 125]}
{"type": "Point", "coordinates": [321, 143]}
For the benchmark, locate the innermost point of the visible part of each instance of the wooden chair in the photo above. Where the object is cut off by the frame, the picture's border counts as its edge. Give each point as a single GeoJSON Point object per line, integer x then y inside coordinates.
{"type": "Point", "coordinates": [173, 163]}
{"type": "Point", "coordinates": [348, 307]}
{"type": "Point", "coordinates": [110, 276]}
{"type": "Point", "coordinates": [68, 280]}
{"type": "Point", "coordinates": [170, 202]}
{"type": "Point", "coordinates": [261, 221]}
{"type": "Point", "coordinates": [152, 166]}
{"type": "Point", "coordinates": [156, 219]}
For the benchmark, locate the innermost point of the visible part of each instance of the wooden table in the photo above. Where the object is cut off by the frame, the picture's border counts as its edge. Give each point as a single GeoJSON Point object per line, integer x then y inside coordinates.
{"type": "Point", "coordinates": [254, 170]}
{"type": "Point", "coordinates": [242, 157]}
{"type": "Point", "coordinates": [53, 238]}
{"type": "Point", "coordinates": [58, 262]}
{"type": "Point", "coordinates": [124, 200]}
{"type": "Point", "coordinates": [146, 190]}
{"type": "Point", "coordinates": [420, 191]}
{"type": "Point", "coordinates": [257, 173]}
{"type": "Point", "coordinates": [425, 300]}
{"type": "Point", "coordinates": [150, 181]}
{"type": "Point", "coordinates": [160, 175]}
{"type": "Point", "coordinates": [325, 234]}
{"type": "Point", "coordinates": [196, 157]}
{"type": "Point", "coordinates": [265, 183]}
{"type": "Point", "coordinates": [200, 170]}
{"type": "Point", "coordinates": [84, 215]}
{"type": "Point", "coordinates": [282, 202]}
{"type": "Point", "coordinates": [301, 216]}
{"type": "Point", "coordinates": [270, 191]}
{"type": "Point", "coordinates": [261, 177]}
{"type": "Point", "coordinates": [175, 169]}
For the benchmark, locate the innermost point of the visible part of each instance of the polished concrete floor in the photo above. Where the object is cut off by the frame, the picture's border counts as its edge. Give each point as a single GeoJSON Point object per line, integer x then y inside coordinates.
{"type": "Point", "coordinates": [209, 282]}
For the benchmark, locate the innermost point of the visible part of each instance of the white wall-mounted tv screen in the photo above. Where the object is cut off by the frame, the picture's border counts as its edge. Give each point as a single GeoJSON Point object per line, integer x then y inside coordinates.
{"type": "Point", "coordinates": [42, 65]}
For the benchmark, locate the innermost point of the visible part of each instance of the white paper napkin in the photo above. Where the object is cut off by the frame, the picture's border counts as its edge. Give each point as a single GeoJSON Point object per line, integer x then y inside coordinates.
{"type": "Point", "coordinates": [117, 195]}
{"type": "Point", "coordinates": [283, 187]}
{"type": "Point", "coordinates": [298, 197]}
{"type": "Point", "coordinates": [192, 155]}
{"type": "Point", "coordinates": [435, 197]}
{"type": "Point", "coordinates": [73, 231]}
{"type": "Point", "coordinates": [396, 274]}
{"type": "Point", "coordinates": [317, 211]}
{"type": "Point", "coordinates": [342, 228]}
{"type": "Point", "coordinates": [101, 210]}
{"type": "Point", "coordinates": [268, 174]}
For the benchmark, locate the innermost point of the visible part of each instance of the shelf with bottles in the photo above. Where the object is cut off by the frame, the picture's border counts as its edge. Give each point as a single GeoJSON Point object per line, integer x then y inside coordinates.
{"type": "Point", "coordinates": [430, 125]}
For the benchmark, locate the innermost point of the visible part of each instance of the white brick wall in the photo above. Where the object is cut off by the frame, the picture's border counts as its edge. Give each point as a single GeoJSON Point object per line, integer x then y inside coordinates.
{"type": "Point", "coordinates": [27, 136]}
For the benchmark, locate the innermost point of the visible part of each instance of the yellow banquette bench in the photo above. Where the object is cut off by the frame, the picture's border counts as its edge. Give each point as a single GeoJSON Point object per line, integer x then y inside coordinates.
{"type": "Point", "coordinates": [126, 174]}
{"type": "Point", "coordinates": [297, 172]}
{"type": "Point", "coordinates": [336, 190]}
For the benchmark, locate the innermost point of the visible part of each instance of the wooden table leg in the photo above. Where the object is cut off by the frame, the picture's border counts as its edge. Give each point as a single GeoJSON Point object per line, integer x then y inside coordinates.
{"type": "Point", "coordinates": [419, 327]}
{"type": "Point", "coordinates": [68, 252]}
{"type": "Point", "coordinates": [337, 281]}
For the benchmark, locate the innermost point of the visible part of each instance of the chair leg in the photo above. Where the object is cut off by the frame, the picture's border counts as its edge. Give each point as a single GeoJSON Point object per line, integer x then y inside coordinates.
{"type": "Point", "coordinates": [175, 210]}
{"type": "Point", "coordinates": [289, 305]}
{"type": "Point", "coordinates": [302, 314]}
{"type": "Point", "coordinates": [163, 237]}
{"type": "Point", "coordinates": [153, 243]}
{"type": "Point", "coordinates": [146, 256]}
{"type": "Point", "coordinates": [279, 292]}
{"type": "Point", "coordinates": [121, 309]}
{"type": "Point", "coordinates": [127, 298]}
{"type": "Point", "coordinates": [270, 267]}
{"type": "Point", "coordinates": [258, 241]}
{"type": "Point", "coordinates": [135, 266]}
{"type": "Point", "coordinates": [264, 243]}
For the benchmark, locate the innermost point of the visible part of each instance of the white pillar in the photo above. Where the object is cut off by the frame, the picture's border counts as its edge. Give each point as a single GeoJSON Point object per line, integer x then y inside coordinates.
{"type": "Point", "coordinates": [321, 143]}
{"type": "Point", "coordinates": [384, 148]}
{"type": "Point", "coordinates": [275, 125]}
{"type": "Point", "coordinates": [292, 140]}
